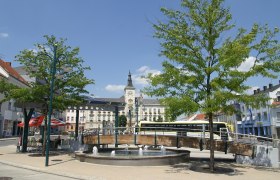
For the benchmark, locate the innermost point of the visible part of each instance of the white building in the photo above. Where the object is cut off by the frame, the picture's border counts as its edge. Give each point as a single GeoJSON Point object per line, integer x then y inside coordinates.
{"type": "Point", "coordinates": [135, 108]}
{"type": "Point", "coordinates": [263, 121]}
{"type": "Point", "coordinates": [10, 115]}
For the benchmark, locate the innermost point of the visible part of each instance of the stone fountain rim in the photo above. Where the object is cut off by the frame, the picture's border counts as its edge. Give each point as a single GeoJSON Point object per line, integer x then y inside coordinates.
{"type": "Point", "coordinates": [87, 155]}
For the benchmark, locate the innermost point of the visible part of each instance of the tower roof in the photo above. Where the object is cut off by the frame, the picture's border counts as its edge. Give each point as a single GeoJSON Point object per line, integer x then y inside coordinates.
{"type": "Point", "coordinates": [129, 82]}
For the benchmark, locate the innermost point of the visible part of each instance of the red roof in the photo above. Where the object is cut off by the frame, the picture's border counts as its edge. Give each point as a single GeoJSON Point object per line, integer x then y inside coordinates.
{"type": "Point", "coordinates": [200, 117]}
{"type": "Point", "coordinates": [276, 103]}
{"type": "Point", "coordinates": [12, 72]}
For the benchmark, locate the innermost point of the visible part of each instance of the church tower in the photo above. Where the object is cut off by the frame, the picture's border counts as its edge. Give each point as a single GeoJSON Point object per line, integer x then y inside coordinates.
{"type": "Point", "coordinates": [129, 91]}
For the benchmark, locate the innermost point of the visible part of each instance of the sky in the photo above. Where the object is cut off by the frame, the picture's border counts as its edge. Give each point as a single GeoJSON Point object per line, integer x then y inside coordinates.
{"type": "Point", "coordinates": [114, 36]}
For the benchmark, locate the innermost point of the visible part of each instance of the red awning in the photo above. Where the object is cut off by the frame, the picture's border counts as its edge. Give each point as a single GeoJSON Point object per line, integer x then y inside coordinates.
{"type": "Point", "coordinates": [40, 121]}
{"type": "Point", "coordinates": [34, 122]}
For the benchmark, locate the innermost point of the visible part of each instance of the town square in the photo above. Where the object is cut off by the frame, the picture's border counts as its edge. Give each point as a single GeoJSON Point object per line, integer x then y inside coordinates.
{"type": "Point", "coordinates": [139, 89]}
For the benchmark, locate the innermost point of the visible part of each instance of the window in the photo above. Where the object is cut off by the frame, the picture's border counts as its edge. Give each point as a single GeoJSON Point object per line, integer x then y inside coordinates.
{"type": "Point", "coordinates": [278, 116]}
{"type": "Point", "coordinates": [72, 118]}
{"type": "Point", "coordinates": [265, 116]}
{"type": "Point", "coordinates": [68, 118]}
{"type": "Point", "coordinates": [9, 106]}
{"type": "Point", "coordinates": [259, 116]}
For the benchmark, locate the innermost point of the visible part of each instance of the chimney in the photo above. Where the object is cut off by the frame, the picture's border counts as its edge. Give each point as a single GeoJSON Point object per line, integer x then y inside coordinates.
{"type": "Point", "coordinates": [258, 90]}
{"type": "Point", "coordinates": [270, 86]}
{"type": "Point", "coordinates": [255, 91]}
{"type": "Point", "coordinates": [264, 88]}
{"type": "Point", "coordinates": [9, 63]}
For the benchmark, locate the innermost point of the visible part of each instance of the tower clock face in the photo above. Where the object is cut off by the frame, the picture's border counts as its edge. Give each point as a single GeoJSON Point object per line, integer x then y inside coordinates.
{"type": "Point", "coordinates": [129, 92]}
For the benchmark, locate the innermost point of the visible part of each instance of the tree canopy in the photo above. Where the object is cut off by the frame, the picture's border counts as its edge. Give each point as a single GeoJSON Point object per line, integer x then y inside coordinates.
{"type": "Point", "coordinates": [68, 86]}
{"type": "Point", "coordinates": [201, 67]}
{"type": "Point", "coordinates": [122, 121]}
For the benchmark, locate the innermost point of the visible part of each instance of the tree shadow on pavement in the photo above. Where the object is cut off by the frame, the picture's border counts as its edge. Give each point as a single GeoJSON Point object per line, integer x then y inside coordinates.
{"type": "Point", "coordinates": [203, 167]}
{"type": "Point", "coordinates": [59, 161]}
{"type": "Point", "coordinates": [179, 168]}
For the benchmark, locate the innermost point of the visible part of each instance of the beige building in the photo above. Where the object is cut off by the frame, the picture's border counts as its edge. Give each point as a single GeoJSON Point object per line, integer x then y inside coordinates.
{"type": "Point", "coordinates": [135, 108]}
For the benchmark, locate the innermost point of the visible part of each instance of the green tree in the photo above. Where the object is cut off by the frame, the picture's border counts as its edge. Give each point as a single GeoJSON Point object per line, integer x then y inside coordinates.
{"type": "Point", "coordinates": [160, 119]}
{"type": "Point", "coordinates": [122, 121]}
{"type": "Point", "coordinates": [68, 86]}
{"type": "Point", "coordinates": [201, 71]}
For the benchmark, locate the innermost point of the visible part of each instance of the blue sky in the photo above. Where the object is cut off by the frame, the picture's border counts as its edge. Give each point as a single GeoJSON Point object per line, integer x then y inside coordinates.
{"type": "Point", "coordinates": [114, 36]}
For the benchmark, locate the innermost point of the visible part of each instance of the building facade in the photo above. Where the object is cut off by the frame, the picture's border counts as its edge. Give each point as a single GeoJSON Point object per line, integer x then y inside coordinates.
{"type": "Point", "coordinates": [265, 120]}
{"type": "Point", "coordinates": [134, 107]}
{"type": "Point", "coordinates": [10, 115]}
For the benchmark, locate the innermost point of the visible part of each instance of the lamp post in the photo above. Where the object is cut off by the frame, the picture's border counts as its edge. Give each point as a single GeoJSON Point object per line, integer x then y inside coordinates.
{"type": "Point", "coordinates": [136, 111]}
{"type": "Point", "coordinates": [53, 72]}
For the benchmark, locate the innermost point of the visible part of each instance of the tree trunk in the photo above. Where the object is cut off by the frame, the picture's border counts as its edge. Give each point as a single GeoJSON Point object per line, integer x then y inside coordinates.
{"type": "Point", "coordinates": [212, 148]}
{"type": "Point", "coordinates": [27, 118]}
{"type": "Point", "coordinates": [77, 124]}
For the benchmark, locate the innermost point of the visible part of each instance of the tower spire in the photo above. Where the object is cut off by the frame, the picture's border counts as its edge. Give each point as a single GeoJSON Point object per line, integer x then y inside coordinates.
{"type": "Point", "coordinates": [129, 80]}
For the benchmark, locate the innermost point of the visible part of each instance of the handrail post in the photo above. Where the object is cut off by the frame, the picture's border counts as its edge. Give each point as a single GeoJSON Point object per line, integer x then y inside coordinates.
{"type": "Point", "coordinates": [177, 140]}
{"type": "Point", "coordinates": [98, 137]}
{"type": "Point", "coordinates": [134, 138]}
{"type": "Point", "coordinates": [155, 137]}
{"type": "Point", "coordinates": [116, 125]}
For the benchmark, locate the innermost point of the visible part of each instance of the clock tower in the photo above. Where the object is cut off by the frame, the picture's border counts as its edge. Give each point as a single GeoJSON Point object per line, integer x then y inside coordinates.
{"type": "Point", "coordinates": [129, 91]}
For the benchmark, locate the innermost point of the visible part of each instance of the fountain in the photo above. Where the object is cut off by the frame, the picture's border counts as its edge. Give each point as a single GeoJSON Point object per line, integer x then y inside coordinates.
{"type": "Point", "coordinates": [140, 152]}
{"type": "Point", "coordinates": [113, 153]}
{"type": "Point", "coordinates": [94, 151]}
{"type": "Point", "coordinates": [162, 150]}
{"type": "Point", "coordinates": [127, 156]}
{"type": "Point", "coordinates": [126, 147]}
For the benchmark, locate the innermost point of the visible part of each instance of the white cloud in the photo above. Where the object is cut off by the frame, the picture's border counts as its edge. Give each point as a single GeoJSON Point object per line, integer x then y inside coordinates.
{"type": "Point", "coordinates": [4, 35]}
{"type": "Point", "coordinates": [139, 77]}
{"type": "Point", "coordinates": [114, 88]}
{"type": "Point", "coordinates": [247, 64]}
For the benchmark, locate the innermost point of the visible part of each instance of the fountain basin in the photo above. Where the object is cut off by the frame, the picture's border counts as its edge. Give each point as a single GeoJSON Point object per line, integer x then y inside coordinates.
{"type": "Point", "coordinates": [152, 157]}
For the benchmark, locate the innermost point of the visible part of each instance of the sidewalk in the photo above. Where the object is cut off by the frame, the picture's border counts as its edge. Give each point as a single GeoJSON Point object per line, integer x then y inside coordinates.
{"type": "Point", "coordinates": [67, 166]}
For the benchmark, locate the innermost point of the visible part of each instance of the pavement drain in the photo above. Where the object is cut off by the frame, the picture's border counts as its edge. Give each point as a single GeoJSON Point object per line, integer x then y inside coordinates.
{"type": "Point", "coordinates": [6, 178]}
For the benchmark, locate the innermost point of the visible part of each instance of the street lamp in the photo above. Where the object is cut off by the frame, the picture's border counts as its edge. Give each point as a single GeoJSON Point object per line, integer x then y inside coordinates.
{"type": "Point", "coordinates": [53, 72]}
{"type": "Point", "coordinates": [136, 110]}
{"type": "Point", "coordinates": [130, 117]}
